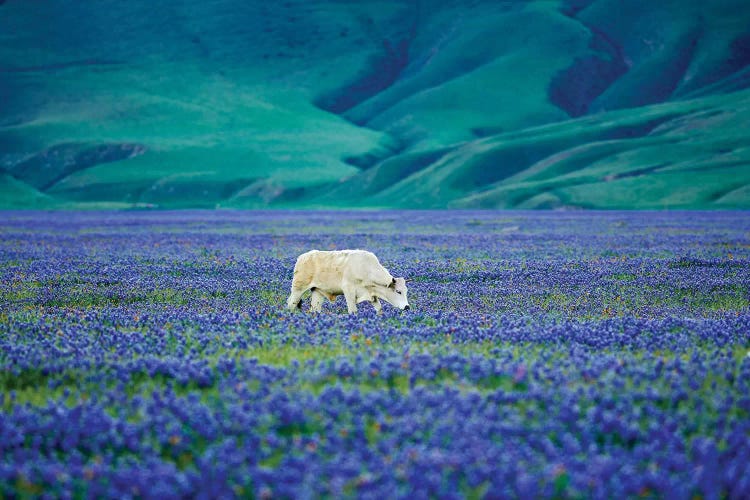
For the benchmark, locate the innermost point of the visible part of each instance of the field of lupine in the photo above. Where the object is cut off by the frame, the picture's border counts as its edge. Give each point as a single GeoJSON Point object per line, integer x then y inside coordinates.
{"type": "Point", "coordinates": [545, 355]}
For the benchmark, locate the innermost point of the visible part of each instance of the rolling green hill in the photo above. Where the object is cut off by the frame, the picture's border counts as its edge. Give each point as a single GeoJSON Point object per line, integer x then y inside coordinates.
{"type": "Point", "coordinates": [409, 104]}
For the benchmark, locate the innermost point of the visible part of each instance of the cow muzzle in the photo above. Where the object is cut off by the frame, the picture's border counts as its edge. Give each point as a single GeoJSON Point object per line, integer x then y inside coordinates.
{"type": "Point", "coordinates": [406, 307]}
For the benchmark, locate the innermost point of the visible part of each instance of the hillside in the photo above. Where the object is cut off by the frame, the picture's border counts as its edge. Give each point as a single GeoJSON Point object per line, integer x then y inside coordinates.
{"type": "Point", "coordinates": [411, 104]}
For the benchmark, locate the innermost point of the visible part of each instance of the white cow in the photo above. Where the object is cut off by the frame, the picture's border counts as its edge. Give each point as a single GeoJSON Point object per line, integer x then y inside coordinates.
{"type": "Point", "coordinates": [355, 274]}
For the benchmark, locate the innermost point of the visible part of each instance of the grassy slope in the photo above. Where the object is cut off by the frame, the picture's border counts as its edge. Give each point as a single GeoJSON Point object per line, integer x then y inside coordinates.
{"type": "Point", "coordinates": [695, 159]}
{"type": "Point", "coordinates": [210, 121]}
{"type": "Point", "coordinates": [251, 105]}
{"type": "Point", "coordinates": [674, 155]}
{"type": "Point", "coordinates": [675, 48]}
{"type": "Point", "coordinates": [464, 79]}
{"type": "Point", "coordinates": [16, 194]}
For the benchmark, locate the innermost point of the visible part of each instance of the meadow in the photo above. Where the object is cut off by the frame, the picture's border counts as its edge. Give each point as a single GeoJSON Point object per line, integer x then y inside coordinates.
{"type": "Point", "coordinates": [546, 354]}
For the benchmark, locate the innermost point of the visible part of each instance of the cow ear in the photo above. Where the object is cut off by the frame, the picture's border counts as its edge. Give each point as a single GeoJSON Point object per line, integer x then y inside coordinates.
{"type": "Point", "coordinates": [393, 283]}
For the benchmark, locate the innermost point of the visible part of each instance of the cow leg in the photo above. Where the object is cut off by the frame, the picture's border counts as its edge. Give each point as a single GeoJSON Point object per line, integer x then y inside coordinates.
{"type": "Point", "coordinates": [350, 293]}
{"type": "Point", "coordinates": [376, 304]}
{"type": "Point", "coordinates": [316, 302]}
{"type": "Point", "coordinates": [293, 302]}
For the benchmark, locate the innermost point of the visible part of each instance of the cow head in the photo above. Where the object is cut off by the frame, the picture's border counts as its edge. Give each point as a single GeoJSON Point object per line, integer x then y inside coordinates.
{"type": "Point", "coordinates": [395, 293]}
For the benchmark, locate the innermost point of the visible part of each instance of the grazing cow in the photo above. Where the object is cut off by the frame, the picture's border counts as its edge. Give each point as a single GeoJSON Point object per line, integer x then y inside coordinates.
{"type": "Point", "coordinates": [355, 274]}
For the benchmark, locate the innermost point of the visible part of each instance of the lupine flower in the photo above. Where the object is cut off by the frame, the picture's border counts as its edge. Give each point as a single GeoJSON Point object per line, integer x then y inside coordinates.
{"type": "Point", "coordinates": [545, 355]}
